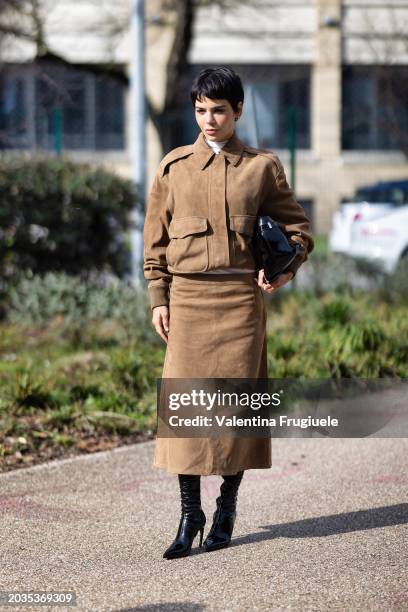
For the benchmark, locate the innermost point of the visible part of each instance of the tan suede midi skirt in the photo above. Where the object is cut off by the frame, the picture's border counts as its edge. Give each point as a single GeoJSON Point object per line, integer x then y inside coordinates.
{"type": "Point", "coordinates": [217, 330]}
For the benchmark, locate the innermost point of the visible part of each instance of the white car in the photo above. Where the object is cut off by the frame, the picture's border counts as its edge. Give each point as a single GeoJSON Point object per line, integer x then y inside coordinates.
{"type": "Point", "coordinates": [383, 239]}
{"type": "Point", "coordinates": [369, 202]}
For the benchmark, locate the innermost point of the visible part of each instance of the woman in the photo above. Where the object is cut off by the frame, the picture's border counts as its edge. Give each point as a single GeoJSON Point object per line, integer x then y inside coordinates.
{"type": "Point", "coordinates": [205, 292]}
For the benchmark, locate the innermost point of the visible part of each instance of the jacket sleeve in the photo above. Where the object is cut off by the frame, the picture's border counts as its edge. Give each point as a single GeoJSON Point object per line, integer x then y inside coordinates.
{"type": "Point", "coordinates": [156, 239]}
{"type": "Point", "coordinates": [278, 201]}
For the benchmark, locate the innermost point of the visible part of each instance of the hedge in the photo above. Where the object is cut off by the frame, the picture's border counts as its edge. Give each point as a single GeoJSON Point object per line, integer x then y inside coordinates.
{"type": "Point", "coordinates": [59, 215]}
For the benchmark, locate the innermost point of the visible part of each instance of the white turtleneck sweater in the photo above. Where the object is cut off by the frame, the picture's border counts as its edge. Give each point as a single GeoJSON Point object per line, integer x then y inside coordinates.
{"type": "Point", "coordinates": [216, 146]}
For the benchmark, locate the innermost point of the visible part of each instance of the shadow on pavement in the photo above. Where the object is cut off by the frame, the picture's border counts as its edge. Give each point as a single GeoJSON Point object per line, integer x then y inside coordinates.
{"type": "Point", "coordinates": [360, 520]}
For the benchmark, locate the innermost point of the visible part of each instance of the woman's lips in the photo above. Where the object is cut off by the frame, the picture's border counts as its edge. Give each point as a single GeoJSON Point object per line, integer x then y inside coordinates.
{"type": "Point", "coordinates": [211, 131]}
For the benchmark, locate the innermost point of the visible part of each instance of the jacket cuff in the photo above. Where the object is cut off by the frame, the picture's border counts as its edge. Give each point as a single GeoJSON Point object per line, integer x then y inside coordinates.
{"type": "Point", "coordinates": [294, 266]}
{"type": "Point", "coordinates": [302, 257]}
{"type": "Point", "coordinates": [159, 295]}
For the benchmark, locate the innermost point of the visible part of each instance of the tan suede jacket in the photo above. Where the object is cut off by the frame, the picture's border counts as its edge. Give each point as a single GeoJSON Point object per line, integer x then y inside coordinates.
{"type": "Point", "coordinates": [202, 208]}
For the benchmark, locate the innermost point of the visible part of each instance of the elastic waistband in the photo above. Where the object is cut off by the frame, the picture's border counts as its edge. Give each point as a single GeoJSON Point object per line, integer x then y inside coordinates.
{"type": "Point", "coordinates": [216, 278]}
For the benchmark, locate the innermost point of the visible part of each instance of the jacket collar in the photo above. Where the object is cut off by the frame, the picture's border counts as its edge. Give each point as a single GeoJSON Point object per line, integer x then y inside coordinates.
{"type": "Point", "coordinates": [232, 150]}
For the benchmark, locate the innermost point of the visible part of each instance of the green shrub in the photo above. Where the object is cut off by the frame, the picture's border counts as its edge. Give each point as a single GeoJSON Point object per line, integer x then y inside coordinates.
{"type": "Point", "coordinates": [59, 215]}
{"type": "Point", "coordinates": [326, 271]}
{"type": "Point", "coordinates": [337, 336]}
{"type": "Point", "coordinates": [394, 288]}
{"type": "Point", "coordinates": [338, 311]}
{"type": "Point", "coordinates": [75, 306]}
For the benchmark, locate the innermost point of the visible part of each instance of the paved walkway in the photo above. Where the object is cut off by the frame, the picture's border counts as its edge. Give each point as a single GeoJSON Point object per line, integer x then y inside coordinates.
{"type": "Point", "coordinates": [324, 529]}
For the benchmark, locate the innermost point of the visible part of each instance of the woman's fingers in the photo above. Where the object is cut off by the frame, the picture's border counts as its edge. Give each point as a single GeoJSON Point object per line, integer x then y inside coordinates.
{"type": "Point", "coordinates": [279, 282]}
{"type": "Point", "coordinates": [261, 278]}
{"type": "Point", "coordinates": [165, 319]}
{"type": "Point", "coordinates": [160, 321]}
{"type": "Point", "coordinates": [161, 333]}
{"type": "Point", "coordinates": [262, 282]}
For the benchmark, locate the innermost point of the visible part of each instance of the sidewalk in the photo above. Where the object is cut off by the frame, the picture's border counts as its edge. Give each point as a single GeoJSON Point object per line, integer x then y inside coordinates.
{"type": "Point", "coordinates": [324, 529]}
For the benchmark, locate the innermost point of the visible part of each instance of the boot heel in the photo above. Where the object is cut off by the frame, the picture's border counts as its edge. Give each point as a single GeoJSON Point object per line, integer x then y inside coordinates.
{"type": "Point", "coordinates": [201, 537]}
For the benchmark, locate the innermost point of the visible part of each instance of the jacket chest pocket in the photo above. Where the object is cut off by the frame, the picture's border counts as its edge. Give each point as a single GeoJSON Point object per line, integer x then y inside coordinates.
{"type": "Point", "coordinates": [188, 248]}
{"type": "Point", "coordinates": [241, 231]}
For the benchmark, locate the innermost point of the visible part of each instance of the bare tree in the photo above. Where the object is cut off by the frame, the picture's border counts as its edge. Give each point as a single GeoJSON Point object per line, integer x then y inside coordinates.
{"type": "Point", "coordinates": [24, 20]}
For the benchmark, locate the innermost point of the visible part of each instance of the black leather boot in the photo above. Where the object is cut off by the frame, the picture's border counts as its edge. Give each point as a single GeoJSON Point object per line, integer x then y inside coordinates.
{"type": "Point", "coordinates": [220, 533]}
{"type": "Point", "coordinates": [192, 517]}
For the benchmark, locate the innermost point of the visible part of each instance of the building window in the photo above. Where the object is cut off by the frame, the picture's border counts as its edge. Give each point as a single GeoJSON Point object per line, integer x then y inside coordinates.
{"type": "Point", "coordinates": [270, 93]}
{"type": "Point", "coordinates": [41, 106]}
{"type": "Point", "coordinates": [60, 104]}
{"type": "Point", "coordinates": [375, 108]}
{"type": "Point", "coordinates": [13, 112]}
{"type": "Point", "coordinates": [109, 114]}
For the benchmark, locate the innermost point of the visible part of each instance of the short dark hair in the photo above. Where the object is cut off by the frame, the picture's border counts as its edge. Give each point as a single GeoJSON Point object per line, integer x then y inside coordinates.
{"type": "Point", "coordinates": [218, 83]}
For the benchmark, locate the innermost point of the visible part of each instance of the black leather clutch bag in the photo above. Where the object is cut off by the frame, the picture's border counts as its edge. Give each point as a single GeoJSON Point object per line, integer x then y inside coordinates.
{"type": "Point", "coordinates": [273, 250]}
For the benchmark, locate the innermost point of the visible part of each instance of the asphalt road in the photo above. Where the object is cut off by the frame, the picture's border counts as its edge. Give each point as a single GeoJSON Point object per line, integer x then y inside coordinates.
{"type": "Point", "coordinates": [324, 529]}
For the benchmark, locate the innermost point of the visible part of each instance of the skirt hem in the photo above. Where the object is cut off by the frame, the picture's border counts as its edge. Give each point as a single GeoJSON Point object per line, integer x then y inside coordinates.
{"type": "Point", "coordinates": [213, 472]}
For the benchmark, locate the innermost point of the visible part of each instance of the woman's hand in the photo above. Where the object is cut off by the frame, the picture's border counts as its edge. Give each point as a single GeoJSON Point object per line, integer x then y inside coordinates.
{"type": "Point", "coordinates": [160, 321]}
{"type": "Point", "coordinates": [279, 282]}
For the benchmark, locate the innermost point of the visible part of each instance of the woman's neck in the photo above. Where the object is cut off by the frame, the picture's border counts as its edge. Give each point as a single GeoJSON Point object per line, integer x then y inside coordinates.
{"type": "Point", "coordinates": [216, 145]}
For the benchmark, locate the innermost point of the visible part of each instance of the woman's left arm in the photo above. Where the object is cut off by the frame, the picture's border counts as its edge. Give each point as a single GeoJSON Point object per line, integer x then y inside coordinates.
{"type": "Point", "coordinates": [279, 202]}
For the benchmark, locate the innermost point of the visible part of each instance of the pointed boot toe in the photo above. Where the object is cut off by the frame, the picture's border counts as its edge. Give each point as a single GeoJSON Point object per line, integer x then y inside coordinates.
{"type": "Point", "coordinates": [188, 529]}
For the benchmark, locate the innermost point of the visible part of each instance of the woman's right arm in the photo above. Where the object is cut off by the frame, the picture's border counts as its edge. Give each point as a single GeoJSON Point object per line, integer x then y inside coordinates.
{"type": "Point", "coordinates": [156, 240]}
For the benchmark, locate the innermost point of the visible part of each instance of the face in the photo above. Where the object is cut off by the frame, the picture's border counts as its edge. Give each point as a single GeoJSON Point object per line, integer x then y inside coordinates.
{"type": "Point", "coordinates": [216, 118]}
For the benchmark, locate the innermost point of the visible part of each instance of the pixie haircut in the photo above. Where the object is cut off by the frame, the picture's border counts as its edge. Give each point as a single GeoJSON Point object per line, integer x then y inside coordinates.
{"type": "Point", "coordinates": [219, 83]}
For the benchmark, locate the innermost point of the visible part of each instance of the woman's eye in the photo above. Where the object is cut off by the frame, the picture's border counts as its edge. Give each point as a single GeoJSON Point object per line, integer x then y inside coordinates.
{"type": "Point", "coordinates": [200, 112]}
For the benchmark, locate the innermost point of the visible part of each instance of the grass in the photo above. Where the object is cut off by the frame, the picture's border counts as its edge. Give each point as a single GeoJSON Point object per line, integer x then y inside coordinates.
{"type": "Point", "coordinates": [336, 336]}
{"type": "Point", "coordinates": [56, 398]}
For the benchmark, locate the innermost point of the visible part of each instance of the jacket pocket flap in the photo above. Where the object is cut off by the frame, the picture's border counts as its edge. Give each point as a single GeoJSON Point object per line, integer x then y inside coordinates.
{"type": "Point", "coordinates": [244, 224]}
{"type": "Point", "coordinates": [184, 226]}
